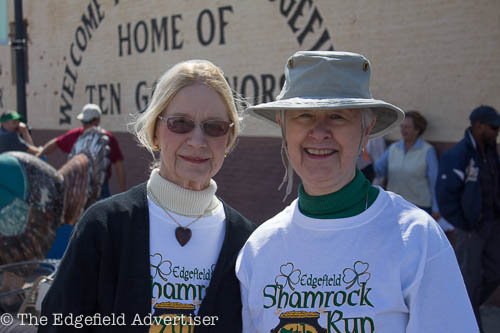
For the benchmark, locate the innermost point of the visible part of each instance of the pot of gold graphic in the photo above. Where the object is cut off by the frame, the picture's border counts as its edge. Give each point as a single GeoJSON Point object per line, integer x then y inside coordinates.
{"type": "Point", "coordinates": [173, 317]}
{"type": "Point", "coordinates": [299, 322]}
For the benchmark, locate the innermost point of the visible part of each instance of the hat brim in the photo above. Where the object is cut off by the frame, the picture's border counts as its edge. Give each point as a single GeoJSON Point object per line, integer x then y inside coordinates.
{"type": "Point", "coordinates": [495, 122]}
{"type": "Point", "coordinates": [388, 115]}
{"type": "Point", "coordinates": [11, 116]}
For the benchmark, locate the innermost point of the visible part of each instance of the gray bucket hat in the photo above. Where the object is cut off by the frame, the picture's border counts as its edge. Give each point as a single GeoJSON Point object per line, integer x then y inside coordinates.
{"type": "Point", "coordinates": [329, 80]}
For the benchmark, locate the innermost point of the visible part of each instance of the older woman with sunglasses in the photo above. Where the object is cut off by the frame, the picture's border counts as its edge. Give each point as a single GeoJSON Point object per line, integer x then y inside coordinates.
{"type": "Point", "coordinates": [345, 256]}
{"type": "Point", "coordinates": [166, 247]}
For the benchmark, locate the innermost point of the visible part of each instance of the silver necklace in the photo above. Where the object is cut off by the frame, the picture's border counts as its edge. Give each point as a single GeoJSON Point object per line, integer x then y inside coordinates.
{"type": "Point", "coordinates": [182, 233]}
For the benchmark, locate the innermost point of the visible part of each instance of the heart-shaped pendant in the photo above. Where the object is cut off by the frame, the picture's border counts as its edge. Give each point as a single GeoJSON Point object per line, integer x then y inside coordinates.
{"type": "Point", "coordinates": [183, 235]}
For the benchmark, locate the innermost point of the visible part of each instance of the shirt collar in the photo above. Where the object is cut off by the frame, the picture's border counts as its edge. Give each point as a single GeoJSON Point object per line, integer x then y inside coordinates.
{"type": "Point", "coordinates": [418, 144]}
{"type": "Point", "coordinates": [348, 201]}
{"type": "Point", "coordinates": [471, 137]}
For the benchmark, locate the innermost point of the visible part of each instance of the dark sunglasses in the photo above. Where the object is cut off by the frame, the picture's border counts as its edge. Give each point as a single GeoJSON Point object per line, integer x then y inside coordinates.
{"type": "Point", "coordinates": [183, 125]}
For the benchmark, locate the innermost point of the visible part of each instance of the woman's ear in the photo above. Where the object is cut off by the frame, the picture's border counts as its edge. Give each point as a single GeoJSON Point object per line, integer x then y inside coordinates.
{"type": "Point", "coordinates": [156, 146]}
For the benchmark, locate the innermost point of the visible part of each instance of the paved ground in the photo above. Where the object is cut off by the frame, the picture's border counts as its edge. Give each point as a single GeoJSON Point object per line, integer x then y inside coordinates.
{"type": "Point", "coordinates": [490, 316]}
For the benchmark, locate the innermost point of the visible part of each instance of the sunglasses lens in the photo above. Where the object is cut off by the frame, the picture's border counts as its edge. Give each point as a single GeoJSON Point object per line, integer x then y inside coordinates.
{"type": "Point", "coordinates": [180, 125]}
{"type": "Point", "coordinates": [215, 127]}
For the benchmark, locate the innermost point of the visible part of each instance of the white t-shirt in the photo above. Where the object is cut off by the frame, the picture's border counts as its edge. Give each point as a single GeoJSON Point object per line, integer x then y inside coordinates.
{"type": "Point", "coordinates": [181, 274]}
{"type": "Point", "coordinates": [388, 269]}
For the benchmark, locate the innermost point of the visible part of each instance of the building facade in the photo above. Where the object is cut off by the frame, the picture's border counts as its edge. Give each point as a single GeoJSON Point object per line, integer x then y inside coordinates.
{"type": "Point", "coordinates": [439, 57]}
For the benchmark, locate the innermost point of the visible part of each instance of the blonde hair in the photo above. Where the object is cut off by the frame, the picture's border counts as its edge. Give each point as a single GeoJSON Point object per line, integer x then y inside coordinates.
{"type": "Point", "coordinates": [182, 75]}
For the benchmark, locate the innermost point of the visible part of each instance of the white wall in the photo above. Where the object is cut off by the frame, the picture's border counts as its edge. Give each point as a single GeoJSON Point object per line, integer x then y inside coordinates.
{"type": "Point", "coordinates": [437, 56]}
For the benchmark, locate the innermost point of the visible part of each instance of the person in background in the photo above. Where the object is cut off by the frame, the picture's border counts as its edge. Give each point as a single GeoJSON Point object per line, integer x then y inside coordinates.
{"type": "Point", "coordinates": [345, 256]}
{"type": "Point", "coordinates": [468, 194]}
{"type": "Point", "coordinates": [411, 165]}
{"type": "Point", "coordinates": [14, 134]}
{"type": "Point", "coordinates": [90, 117]}
{"type": "Point", "coordinates": [374, 149]}
{"type": "Point", "coordinates": [166, 247]}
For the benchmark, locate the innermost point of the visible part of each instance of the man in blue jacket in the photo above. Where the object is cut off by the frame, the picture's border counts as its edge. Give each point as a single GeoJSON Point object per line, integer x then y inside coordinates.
{"type": "Point", "coordinates": [468, 195]}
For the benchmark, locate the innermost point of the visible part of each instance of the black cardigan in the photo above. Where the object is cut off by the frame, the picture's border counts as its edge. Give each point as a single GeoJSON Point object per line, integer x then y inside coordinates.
{"type": "Point", "coordinates": [106, 268]}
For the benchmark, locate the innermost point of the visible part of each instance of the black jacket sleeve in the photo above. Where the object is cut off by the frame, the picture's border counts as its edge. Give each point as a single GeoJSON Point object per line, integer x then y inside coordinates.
{"type": "Point", "coordinates": [74, 290]}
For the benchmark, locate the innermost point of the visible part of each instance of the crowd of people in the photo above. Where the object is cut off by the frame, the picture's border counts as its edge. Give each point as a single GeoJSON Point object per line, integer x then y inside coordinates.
{"type": "Point", "coordinates": [463, 189]}
{"type": "Point", "coordinates": [15, 136]}
{"type": "Point", "coordinates": [344, 256]}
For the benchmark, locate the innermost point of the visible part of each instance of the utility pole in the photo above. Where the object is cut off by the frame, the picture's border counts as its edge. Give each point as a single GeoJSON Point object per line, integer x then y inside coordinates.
{"type": "Point", "coordinates": [19, 46]}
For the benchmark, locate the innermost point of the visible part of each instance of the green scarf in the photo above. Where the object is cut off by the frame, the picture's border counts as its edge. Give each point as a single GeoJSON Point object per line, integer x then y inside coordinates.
{"type": "Point", "coordinates": [349, 201]}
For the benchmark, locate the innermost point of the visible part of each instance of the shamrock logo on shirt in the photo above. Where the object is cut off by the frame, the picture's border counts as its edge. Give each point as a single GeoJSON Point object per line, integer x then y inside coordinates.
{"type": "Point", "coordinates": [358, 274]}
{"type": "Point", "coordinates": [163, 268]}
{"type": "Point", "coordinates": [288, 275]}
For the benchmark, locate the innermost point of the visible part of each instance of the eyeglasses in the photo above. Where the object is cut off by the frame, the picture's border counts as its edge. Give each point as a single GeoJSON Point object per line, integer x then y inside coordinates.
{"type": "Point", "coordinates": [183, 125]}
{"type": "Point", "coordinates": [495, 128]}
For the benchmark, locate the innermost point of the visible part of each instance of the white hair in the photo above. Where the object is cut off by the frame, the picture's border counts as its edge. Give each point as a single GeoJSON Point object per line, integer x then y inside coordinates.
{"type": "Point", "coordinates": [366, 117]}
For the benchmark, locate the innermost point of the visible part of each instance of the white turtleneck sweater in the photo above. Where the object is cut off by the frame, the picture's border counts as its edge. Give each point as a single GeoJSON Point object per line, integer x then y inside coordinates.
{"type": "Point", "coordinates": [181, 274]}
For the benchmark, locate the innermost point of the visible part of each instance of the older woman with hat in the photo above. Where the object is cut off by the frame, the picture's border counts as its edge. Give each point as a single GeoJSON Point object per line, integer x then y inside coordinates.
{"type": "Point", "coordinates": [166, 247]}
{"type": "Point", "coordinates": [345, 256]}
